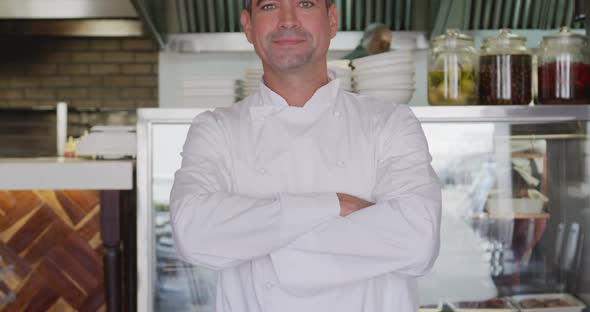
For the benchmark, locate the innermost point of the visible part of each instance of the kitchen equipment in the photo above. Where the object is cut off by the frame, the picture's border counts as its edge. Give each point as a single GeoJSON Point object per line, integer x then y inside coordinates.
{"type": "Point", "coordinates": [564, 69]}
{"type": "Point", "coordinates": [452, 70]}
{"type": "Point", "coordinates": [108, 142]}
{"type": "Point", "coordinates": [505, 70]}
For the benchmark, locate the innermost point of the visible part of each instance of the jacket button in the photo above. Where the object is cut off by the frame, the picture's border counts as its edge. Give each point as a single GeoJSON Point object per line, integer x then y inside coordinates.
{"type": "Point", "coordinates": [341, 163]}
{"type": "Point", "coordinates": [262, 171]}
{"type": "Point", "coordinates": [337, 114]}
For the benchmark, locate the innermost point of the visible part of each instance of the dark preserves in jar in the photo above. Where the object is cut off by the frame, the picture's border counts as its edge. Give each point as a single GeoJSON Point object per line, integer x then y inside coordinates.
{"type": "Point", "coordinates": [505, 79]}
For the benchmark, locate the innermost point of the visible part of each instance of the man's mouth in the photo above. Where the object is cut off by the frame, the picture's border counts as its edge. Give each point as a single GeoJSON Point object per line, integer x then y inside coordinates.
{"type": "Point", "coordinates": [288, 41]}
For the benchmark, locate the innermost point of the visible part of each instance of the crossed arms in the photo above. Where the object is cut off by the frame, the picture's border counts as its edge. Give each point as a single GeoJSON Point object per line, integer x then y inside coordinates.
{"type": "Point", "coordinates": [337, 238]}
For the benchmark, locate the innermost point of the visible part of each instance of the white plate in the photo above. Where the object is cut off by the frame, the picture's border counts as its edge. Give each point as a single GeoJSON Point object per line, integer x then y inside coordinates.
{"type": "Point", "coordinates": [390, 78]}
{"type": "Point", "coordinates": [384, 62]}
{"type": "Point", "coordinates": [383, 56]}
{"type": "Point", "coordinates": [369, 86]}
{"type": "Point", "coordinates": [398, 96]}
{"type": "Point", "coordinates": [385, 88]}
{"type": "Point", "coordinates": [400, 68]}
{"type": "Point", "coordinates": [392, 82]}
{"type": "Point", "coordinates": [339, 63]}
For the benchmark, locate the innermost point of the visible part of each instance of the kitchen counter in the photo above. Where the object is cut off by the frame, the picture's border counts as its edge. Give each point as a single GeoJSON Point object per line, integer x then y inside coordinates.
{"type": "Point", "coordinates": [59, 205]}
{"type": "Point", "coordinates": [59, 173]}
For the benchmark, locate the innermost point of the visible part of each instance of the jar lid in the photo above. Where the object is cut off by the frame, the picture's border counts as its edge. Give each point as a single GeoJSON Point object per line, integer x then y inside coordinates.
{"type": "Point", "coordinates": [452, 38]}
{"type": "Point", "coordinates": [565, 36]}
{"type": "Point", "coordinates": [505, 38]}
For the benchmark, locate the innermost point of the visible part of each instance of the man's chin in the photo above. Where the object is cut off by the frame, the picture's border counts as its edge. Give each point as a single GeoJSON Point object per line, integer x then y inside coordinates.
{"type": "Point", "coordinates": [291, 62]}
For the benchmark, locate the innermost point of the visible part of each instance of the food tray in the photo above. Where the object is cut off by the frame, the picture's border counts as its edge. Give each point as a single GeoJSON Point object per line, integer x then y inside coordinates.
{"type": "Point", "coordinates": [576, 305]}
{"type": "Point", "coordinates": [492, 305]}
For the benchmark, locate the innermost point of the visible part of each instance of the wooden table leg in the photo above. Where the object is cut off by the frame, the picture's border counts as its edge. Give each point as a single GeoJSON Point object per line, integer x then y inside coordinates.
{"type": "Point", "coordinates": [110, 214]}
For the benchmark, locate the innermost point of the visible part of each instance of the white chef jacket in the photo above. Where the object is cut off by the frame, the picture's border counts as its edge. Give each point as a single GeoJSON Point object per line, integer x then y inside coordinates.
{"type": "Point", "coordinates": [256, 200]}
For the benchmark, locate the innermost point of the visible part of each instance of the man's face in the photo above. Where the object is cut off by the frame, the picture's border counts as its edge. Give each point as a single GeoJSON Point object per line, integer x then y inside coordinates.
{"type": "Point", "coordinates": [289, 34]}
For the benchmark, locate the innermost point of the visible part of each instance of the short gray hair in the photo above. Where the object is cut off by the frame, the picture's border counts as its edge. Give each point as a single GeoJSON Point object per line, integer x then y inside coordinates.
{"type": "Point", "coordinates": [249, 5]}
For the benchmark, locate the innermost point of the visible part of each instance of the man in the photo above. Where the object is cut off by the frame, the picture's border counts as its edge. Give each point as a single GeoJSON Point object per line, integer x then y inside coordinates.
{"type": "Point", "coordinates": [305, 197]}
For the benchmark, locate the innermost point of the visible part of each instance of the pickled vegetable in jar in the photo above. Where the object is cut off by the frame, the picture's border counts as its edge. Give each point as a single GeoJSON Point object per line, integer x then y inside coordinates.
{"type": "Point", "coordinates": [564, 69]}
{"type": "Point", "coordinates": [505, 70]}
{"type": "Point", "coordinates": [452, 70]}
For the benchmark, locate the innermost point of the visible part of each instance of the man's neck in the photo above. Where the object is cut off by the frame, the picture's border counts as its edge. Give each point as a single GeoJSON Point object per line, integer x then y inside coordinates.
{"type": "Point", "coordinates": [296, 87]}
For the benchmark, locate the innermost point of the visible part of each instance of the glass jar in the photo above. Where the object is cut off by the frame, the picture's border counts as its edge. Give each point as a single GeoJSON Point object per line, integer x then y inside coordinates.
{"type": "Point", "coordinates": [452, 70]}
{"type": "Point", "coordinates": [505, 70]}
{"type": "Point", "coordinates": [564, 69]}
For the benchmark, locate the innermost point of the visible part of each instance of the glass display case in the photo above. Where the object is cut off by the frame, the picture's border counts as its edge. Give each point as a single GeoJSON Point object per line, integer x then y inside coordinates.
{"type": "Point", "coordinates": [516, 210]}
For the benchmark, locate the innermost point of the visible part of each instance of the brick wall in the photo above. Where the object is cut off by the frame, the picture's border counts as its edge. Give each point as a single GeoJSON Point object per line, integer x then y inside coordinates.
{"type": "Point", "coordinates": [86, 73]}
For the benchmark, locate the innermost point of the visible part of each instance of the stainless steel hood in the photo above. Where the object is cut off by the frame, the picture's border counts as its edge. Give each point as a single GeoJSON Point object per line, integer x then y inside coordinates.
{"type": "Point", "coordinates": [66, 9]}
{"type": "Point", "coordinates": [69, 18]}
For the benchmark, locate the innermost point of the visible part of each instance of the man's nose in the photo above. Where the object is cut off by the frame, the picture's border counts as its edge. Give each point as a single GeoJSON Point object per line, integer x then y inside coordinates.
{"type": "Point", "coordinates": [288, 17]}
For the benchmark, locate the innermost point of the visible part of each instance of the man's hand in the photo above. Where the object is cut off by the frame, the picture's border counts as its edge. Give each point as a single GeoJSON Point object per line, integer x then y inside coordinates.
{"type": "Point", "coordinates": [350, 204]}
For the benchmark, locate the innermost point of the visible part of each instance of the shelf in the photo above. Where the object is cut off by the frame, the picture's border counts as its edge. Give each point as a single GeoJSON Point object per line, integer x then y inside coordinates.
{"type": "Point", "coordinates": [485, 215]}
{"type": "Point", "coordinates": [515, 113]}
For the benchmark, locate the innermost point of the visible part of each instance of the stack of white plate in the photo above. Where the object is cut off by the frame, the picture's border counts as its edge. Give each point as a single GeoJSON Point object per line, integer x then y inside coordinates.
{"type": "Point", "coordinates": [209, 91]}
{"type": "Point", "coordinates": [343, 71]}
{"type": "Point", "coordinates": [389, 76]}
{"type": "Point", "coordinates": [253, 77]}
{"type": "Point", "coordinates": [251, 82]}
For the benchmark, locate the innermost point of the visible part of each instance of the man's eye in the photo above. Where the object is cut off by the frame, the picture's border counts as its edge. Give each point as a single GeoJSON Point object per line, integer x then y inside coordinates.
{"type": "Point", "coordinates": [268, 7]}
{"type": "Point", "coordinates": [306, 4]}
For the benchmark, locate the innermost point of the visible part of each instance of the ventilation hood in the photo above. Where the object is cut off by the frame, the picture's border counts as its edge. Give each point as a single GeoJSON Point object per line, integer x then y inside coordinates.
{"type": "Point", "coordinates": [97, 18]}
{"type": "Point", "coordinates": [176, 24]}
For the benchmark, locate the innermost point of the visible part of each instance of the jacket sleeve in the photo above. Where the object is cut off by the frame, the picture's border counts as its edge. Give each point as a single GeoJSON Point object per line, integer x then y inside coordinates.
{"type": "Point", "coordinates": [217, 228]}
{"type": "Point", "coordinates": [399, 234]}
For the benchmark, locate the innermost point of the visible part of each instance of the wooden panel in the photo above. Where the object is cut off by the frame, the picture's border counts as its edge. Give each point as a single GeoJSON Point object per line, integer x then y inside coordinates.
{"type": "Point", "coordinates": [53, 241]}
{"type": "Point", "coordinates": [32, 229]}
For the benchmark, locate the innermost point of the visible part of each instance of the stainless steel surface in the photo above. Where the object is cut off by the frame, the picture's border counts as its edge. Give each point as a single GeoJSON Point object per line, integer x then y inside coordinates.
{"type": "Point", "coordinates": [431, 114]}
{"type": "Point", "coordinates": [235, 42]}
{"type": "Point", "coordinates": [147, 118]}
{"type": "Point", "coordinates": [65, 9]}
{"type": "Point", "coordinates": [73, 28]}
{"type": "Point", "coordinates": [92, 18]}
{"type": "Point", "coordinates": [520, 113]}
{"type": "Point", "coordinates": [149, 22]}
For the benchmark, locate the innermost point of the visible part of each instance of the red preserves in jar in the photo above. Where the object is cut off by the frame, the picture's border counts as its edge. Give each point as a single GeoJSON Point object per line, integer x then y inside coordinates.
{"type": "Point", "coordinates": [564, 69]}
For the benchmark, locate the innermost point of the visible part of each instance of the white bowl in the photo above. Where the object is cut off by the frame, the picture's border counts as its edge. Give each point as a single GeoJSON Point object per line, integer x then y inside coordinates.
{"type": "Point", "coordinates": [383, 56]}
{"type": "Point", "coordinates": [384, 62]}
{"type": "Point", "coordinates": [394, 82]}
{"type": "Point", "coordinates": [385, 70]}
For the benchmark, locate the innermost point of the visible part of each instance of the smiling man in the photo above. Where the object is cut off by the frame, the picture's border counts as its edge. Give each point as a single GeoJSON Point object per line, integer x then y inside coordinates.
{"type": "Point", "coordinates": [305, 197]}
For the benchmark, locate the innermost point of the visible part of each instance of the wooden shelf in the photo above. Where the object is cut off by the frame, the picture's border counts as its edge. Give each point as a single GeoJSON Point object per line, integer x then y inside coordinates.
{"type": "Point", "coordinates": [486, 215]}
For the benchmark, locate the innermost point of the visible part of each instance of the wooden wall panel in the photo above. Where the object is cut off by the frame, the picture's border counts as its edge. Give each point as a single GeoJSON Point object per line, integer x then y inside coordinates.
{"type": "Point", "coordinates": [51, 240]}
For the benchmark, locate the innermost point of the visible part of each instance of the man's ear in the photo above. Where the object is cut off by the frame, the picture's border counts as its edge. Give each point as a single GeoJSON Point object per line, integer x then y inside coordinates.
{"type": "Point", "coordinates": [246, 20]}
{"type": "Point", "coordinates": [333, 17]}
